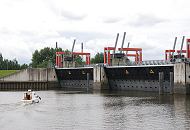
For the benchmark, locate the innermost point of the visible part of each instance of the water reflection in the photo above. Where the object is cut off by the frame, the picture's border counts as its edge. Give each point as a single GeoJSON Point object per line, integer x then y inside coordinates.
{"type": "Point", "coordinates": [182, 110]}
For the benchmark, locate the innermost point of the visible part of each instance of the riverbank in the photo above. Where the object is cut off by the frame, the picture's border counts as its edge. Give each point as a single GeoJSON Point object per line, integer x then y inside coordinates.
{"type": "Point", "coordinates": [4, 73]}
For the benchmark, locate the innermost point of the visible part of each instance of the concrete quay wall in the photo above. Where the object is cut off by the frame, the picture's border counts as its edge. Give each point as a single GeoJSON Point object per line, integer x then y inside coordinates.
{"type": "Point", "coordinates": [31, 78]}
{"type": "Point", "coordinates": [32, 74]}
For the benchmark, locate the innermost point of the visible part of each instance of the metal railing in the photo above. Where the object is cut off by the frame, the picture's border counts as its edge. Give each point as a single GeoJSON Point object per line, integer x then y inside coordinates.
{"type": "Point", "coordinates": [155, 62]}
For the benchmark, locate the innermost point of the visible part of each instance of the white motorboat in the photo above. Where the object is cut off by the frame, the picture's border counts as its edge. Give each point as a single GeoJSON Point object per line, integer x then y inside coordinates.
{"type": "Point", "coordinates": [31, 97]}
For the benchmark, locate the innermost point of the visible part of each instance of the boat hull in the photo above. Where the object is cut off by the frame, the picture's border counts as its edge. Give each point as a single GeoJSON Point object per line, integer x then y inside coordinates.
{"type": "Point", "coordinates": [30, 101]}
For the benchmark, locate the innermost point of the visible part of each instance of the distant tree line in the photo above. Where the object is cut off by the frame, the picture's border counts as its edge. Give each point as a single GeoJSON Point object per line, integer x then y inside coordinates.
{"type": "Point", "coordinates": [46, 58]}
{"type": "Point", "coordinates": [6, 64]}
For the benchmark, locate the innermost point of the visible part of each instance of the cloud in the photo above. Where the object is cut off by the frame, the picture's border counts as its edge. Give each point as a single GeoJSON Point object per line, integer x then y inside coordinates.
{"type": "Point", "coordinates": [84, 35]}
{"type": "Point", "coordinates": [146, 20]}
{"type": "Point", "coordinates": [72, 16]}
{"type": "Point", "coordinates": [112, 20]}
{"type": "Point", "coordinates": [5, 31]}
{"type": "Point", "coordinates": [150, 25]}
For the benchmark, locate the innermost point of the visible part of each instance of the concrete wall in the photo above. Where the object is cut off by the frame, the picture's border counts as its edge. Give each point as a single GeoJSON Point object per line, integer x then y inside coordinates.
{"type": "Point", "coordinates": [182, 78]}
{"type": "Point", "coordinates": [179, 73]}
{"type": "Point", "coordinates": [100, 79]}
{"type": "Point", "coordinates": [33, 75]}
{"type": "Point", "coordinates": [119, 61]}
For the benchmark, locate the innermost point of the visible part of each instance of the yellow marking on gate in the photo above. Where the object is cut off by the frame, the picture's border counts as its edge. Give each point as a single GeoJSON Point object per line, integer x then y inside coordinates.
{"type": "Point", "coordinates": [151, 71]}
{"type": "Point", "coordinates": [127, 72]}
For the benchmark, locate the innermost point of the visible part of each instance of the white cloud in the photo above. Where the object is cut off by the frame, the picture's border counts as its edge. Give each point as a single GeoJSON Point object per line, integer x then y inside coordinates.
{"type": "Point", "coordinates": [152, 25]}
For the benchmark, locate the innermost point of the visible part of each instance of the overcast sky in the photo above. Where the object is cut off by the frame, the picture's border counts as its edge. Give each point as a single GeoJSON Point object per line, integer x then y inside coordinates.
{"type": "Point", "coordinates": [27, 25]}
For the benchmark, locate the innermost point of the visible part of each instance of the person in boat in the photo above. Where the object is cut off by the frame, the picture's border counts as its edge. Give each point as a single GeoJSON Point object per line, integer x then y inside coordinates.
{"type": "Point", "coordinates": [28, 95]}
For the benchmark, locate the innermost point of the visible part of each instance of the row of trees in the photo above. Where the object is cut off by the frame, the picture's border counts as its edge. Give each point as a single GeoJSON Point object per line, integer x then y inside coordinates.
{"type": "Point", "coordinates": [6, 64]}
{"type": "Point", "coordinates": [46, 57]}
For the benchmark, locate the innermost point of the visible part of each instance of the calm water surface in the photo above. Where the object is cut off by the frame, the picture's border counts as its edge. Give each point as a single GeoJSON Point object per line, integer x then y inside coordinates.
{"type": "Point", "coordinates": [94, 111]}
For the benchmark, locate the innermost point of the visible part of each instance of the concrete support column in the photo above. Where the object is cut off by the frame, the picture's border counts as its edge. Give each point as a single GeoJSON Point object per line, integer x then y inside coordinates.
{"type": "Point", "coordinates": [161, 80]}
{"type": "Point", "coordinates": [171, 82]}
{"type": "Point", "coordinates": [88, 82]}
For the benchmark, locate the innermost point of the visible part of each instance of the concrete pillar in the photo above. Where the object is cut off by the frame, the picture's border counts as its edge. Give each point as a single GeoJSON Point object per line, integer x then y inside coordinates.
{"type": "Point", "coordinates": [88, 78]}
{"type": "Point", "coordinates": [180, 78]}
{"type": "Point", "coordinates": [161, 80]}
{"type": "Point", "coordinates": [171, 82]}
{"type": "Point", "coordinates": [100, 79]}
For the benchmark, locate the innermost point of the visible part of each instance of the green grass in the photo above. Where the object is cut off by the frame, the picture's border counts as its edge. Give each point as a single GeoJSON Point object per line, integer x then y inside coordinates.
{"type": "Point", "coordinates": [7, 72]}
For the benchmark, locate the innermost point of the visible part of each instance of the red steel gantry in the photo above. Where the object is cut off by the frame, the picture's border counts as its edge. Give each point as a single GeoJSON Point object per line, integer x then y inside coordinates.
{"type": "Point", "coordinates": [137, 55]}
{"type": "Point", "coordinates": [168, 53]}
{"type": "Point", "coordinates": [60, 57]}
{"type": "Point", "coordinates": [108, 54]}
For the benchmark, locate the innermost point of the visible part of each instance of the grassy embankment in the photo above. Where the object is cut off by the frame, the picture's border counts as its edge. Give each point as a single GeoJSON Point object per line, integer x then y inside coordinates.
{"type": "Point", "coordinates": [6, 72]}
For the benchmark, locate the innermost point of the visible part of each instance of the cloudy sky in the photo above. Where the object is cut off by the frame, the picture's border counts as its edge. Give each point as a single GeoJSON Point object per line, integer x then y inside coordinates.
{"type": "Point", "coordinates": [27, 25]}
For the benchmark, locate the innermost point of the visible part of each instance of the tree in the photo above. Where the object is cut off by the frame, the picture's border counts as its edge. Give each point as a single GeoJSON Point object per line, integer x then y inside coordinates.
{"type": "Point", "coordinates": [35, 58]}
{"type": "Point", "coordinates": [23, 66]}
{"type": "Point", "coordinates": [1, 58]}
{"type": "Point", "coordinates": [41, 59]}
{"type": "Point", "coordinates": [78, 60]}
{"type": "Point", "coordinates": [99, 58]}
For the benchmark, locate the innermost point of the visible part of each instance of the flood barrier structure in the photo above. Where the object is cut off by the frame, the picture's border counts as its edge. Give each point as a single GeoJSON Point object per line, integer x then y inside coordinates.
{"type": "Point", "coordinates": [77, 78]}
{"type": "Point", "coordinates": [139, 78]}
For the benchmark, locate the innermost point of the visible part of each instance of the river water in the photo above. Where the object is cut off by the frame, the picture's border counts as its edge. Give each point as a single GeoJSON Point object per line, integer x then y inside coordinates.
{"type": "Point", "coordinates": [94, 111]}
